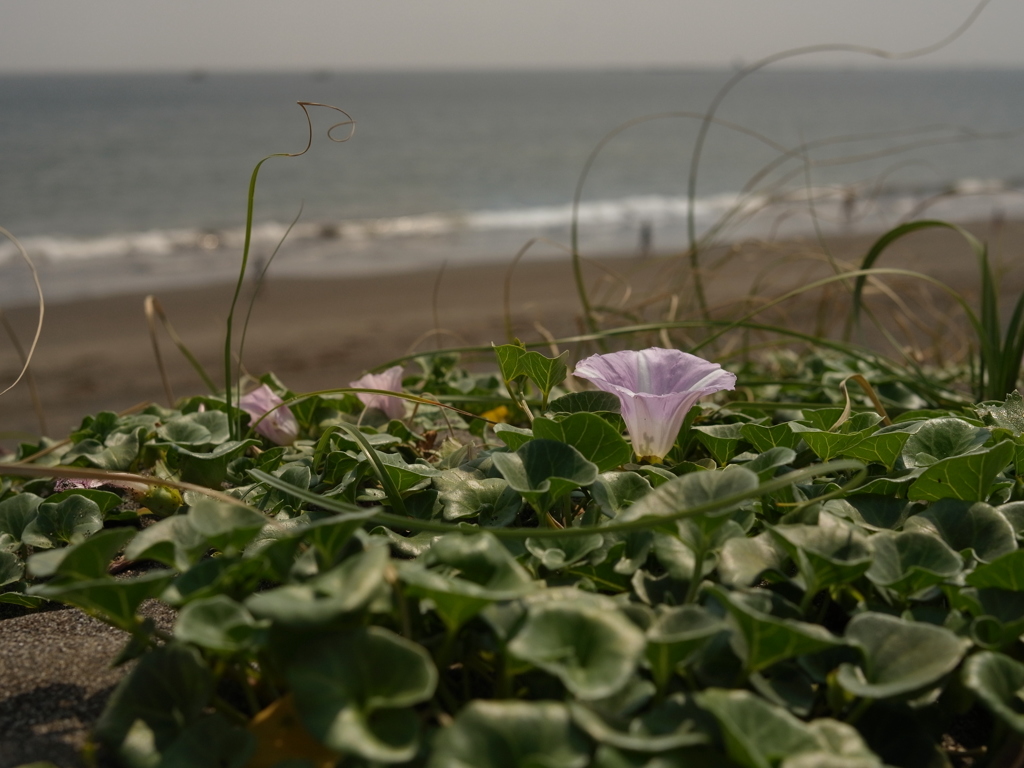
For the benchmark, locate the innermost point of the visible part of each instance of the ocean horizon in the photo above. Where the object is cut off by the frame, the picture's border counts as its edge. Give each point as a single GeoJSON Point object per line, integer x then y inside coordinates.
{"type": "Point", "coordinates": [118, 183]}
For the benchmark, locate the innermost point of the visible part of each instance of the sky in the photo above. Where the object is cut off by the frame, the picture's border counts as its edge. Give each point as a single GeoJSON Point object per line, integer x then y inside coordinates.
{"type": "Point", "coordinates": [239, 35]}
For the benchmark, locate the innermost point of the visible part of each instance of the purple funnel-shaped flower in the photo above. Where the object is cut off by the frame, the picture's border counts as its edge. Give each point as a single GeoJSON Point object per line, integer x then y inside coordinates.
{"type": "Point", "coordinates": [391, 379]}
{"type": "Point", "coordinates": [280, 426]}
{"type": "Point", "coordinates": [656, 388]}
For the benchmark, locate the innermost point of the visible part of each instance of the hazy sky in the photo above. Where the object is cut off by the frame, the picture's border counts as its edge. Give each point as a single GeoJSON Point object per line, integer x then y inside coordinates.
{"type": "Point", "coordinates": [145, 35]}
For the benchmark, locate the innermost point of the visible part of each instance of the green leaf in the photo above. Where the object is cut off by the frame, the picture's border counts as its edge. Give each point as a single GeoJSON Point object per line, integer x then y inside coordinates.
{"type": "Point", "coordinates": [547, 373]}
{"type": "Point", "coordinates": [841, 747]}
{"type": "Point", "coordinates": [87, 560]}
{"type": "Point", "coordinates": [330, 533]}
{"type": "Point", "coordinates": [997, 681]}
{"type": "Point", "coordinates": [590, 401]}
{"type": "Point", "coordinates": [116, 453]}
{"type": "Point", "coordinates": [490, 498]}
{"type": "Point", "coordinates": [22, 600]}
{"type": "Point", "coordinates": [939, 439]}
{"type": "Point", "coordinates": [765, 438]}
{"type": "Point", "coordinates": [976, 529]}
{"type": "Point", "coordinates": [513, 437]}
{"type": "Point", "coordinates": [756, 733]}
{"type": "Point", "coordinates": [219, 624]}
{"type": "Point", "coordinates": [670, 725]}
{"type": "Point", "coordinates": [70, 520]}
{"type": "Point", "coordinates": [511, 734]}
{"type": "Point", "coordinates": [11, 568]}
{"type": "Point", "coordinates": [113, 600]}
{"type": "Point", "coordinates": [827, 554]}
{"type": "Point", "coordinates": [900, 657]}
{"type": "Point", "coordinates": [676, 636]}
{"type": "Point", "coordinates": [172, 541]}
{"type": "Point", "coordinates": [743, 561]}
{"type": "Point", "coordinates": [168, 690]}
{"type": "Point", "coordinates": [765, 464]}
{"type": "Point", "coordinates": [592, 651]}
{"type": "Point", "coordinates": [874, 512]}
{"type": "Point", "coordinates": [1009, 415]}
{"type": "Point", "coordinates": [596, 439]}
{"type": "Point", "coordinates": [827, 445]}
{"type": "Point", "coordinates": [721, 440]}
{"type": "Point", "coordinates": [558, 554]}
{"type": "Point", "coordinates": [762, 640]}
{"type": "Point", "coordinates": [210, 742]}
{"type": "Point", "coordinates": [462, 575]}
{"type": "Point", "coordinates": [882, 449]}
{"type": "Point", "coordinates": [227, 527]}
{"type": "Point", "coordinates": [998, 614]}
{"type": "Point", "coordinates": [543, 471]}
{"type": "Point", "coordinates": [822, 419]}
{"type": "Point", "coordinates": [911, 562]}
{"type": "Point", "coordinates": [691, 490]}
{"type": "Point", "coordinates": [509, 356]}
{"type": "Point", "coordinates": [1006, 572]}
{"type": "Point", "coordinates": [105, 500]}
{"type": "Point", "coordinates": [403, 475]}
{"type": "Point", "coordinates": [616, 491]}
{"type": "Point", "coordinates": [353, 691]}
{"type": "Point", "coordinates": [210, 468]}
{"type": "Point", "coordinates": [198, 429]}
{"type": "Point", "coordinates": [16, 512]}
{"type": "Point", "coordinates": [967, 477]}
{"type": "Point", "coordinates": [345, 589]}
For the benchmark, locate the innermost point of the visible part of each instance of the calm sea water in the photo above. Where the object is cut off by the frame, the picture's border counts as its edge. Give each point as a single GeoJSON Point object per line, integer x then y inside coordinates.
{"type": "Point", "coordinates": [120, 183]}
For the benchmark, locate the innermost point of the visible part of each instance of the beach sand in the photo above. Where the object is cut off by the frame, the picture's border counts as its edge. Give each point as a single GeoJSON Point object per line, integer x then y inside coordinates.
{"type": "Point", "coordinates": [96, 354]}
{"type": "Point", "coordinates": [316, 334]}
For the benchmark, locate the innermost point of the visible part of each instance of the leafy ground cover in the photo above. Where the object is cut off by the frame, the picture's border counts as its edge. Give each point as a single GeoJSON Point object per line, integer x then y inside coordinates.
{"type": "Point", "coordinates": [806, 579]}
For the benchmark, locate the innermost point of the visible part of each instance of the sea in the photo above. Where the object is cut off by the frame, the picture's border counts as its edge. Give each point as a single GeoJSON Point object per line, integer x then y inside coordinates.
{"type": "Point", "coordinates": [139, 182]}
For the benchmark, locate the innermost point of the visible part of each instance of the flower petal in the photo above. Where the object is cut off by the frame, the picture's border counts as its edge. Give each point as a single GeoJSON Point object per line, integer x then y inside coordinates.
{"type": "Point", "coordinates": [391, 379]}
{"type": "Point", "coordinates": [280, 426]}
{"type": "Point", "coordinates": [656, 387]}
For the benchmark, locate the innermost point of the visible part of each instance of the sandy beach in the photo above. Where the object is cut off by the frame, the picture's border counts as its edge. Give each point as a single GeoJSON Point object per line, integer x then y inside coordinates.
{"type": "Point", "coordinates": [96, 354]}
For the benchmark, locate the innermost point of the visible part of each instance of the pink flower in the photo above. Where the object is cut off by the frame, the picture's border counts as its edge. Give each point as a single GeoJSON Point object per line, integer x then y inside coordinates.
{"type": "Point", "coordinates": [391, 380]}
{"type": "Point", "coordinates": [280, 425]}
{"type": "Point", "coordinates": [656, 388]}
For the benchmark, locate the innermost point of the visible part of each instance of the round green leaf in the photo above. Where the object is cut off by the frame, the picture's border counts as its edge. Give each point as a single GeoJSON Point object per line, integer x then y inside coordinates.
{"type": "Point", "coordinates": [756, 734]}
{"type": "Point", "coordinates": [998, 681]}
{"type": "Point", "coordinates": [826, 554]}
{"type": "Point", "coordinates": [511, 734]}
{"type": "Point", "coordinates": [219, 624]}
{"type": "Point", "coordinates": [197, 429]}
{"type": "Point", "coordinates": [977, 528]}
{"type": "Point", "coordinates": [347, 688]}
{"type": "Point", "coordinates": [940, 439]}
{"type": "Point", "coordinates": [968, 477]}
{"type": "Point", "coordinates": [900, 657]}
{"type": "Point", "coordinates": [691, 490]}
{"type": "Point", "coordinates": [911, 562]}
{"type": "Point", "coordinates": [168, 690]}
{"type": "Point", "coordinates": [463, 574]}
{"type": "Point", "coordinates": [596, 439]}
{"type": "Point", "coordinates": [592, 651]}
{"type": "Point", "coordinates": [543, 471]}
{"type": "Point", "coordinates": [762, 640]}
{"type": "Point", "coordinates": [1006, 572]}
{"type": "Point", "coordinates": [70, 520]}
{"type": "Point", "coordinates": [339, 591]}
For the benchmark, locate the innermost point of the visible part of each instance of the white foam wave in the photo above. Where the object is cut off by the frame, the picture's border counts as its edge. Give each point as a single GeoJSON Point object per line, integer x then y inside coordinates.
{"type": "Point", "coordinates": [974, 198]}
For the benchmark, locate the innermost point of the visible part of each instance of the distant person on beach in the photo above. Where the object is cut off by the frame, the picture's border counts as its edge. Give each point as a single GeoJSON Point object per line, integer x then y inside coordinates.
{"type": "Point", "coordinates": [849, 207]}
{"type": "Point", "coordinates": [646, 238]}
